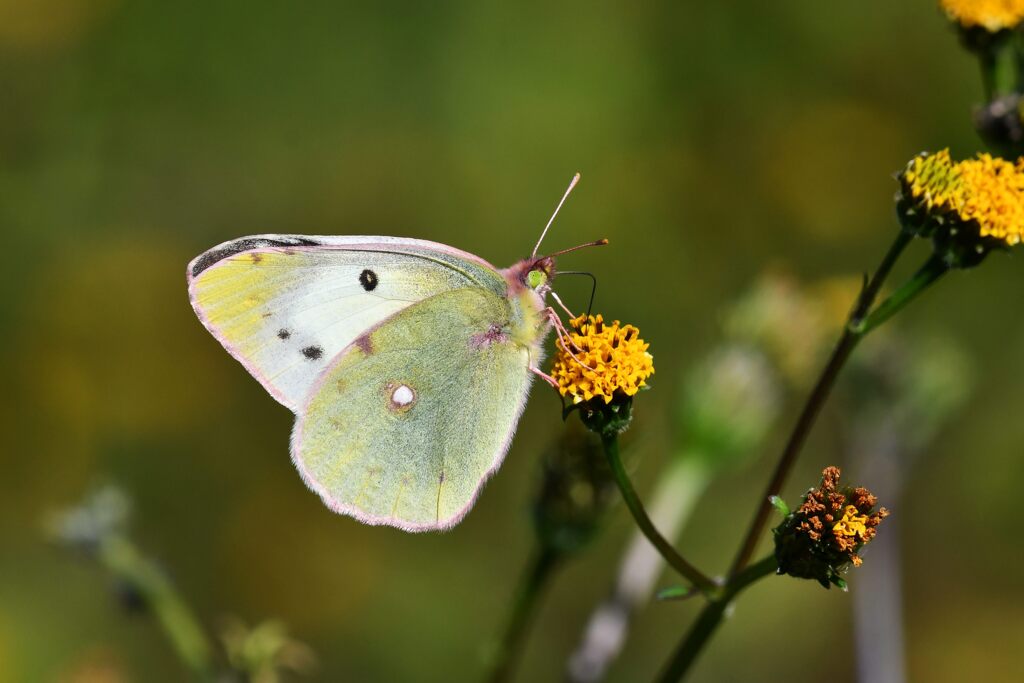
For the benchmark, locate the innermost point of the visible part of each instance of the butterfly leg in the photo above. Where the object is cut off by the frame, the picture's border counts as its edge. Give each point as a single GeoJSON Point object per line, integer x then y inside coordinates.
{"type": "Point", "coordinates": [563, 335]}
{"type": "Point", "coordinates": [551, 318]}
{"type": "Point", "coordinates": [540, 373]}
{"type": "Point", "coordinates": [544, 376]}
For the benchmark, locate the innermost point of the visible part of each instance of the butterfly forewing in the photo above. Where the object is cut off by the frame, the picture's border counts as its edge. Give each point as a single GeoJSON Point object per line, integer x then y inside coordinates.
{"type": "Point", "coordinates": [287, 305]}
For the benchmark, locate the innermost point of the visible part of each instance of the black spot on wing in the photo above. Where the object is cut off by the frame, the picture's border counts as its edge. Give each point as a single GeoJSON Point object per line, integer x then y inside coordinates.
{"type": "Point", "coordinates": [368, 279]}
{"type": "Point", "coordinates": [283, 334]}
{"type": "Point", "coordinates": [215, 256]}
{"type": "Point", "coordinates": [313, 352]}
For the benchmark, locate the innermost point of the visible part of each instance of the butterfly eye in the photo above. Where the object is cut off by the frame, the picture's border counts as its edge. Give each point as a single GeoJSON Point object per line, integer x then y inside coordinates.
{"type": "Point", "coordinates": [536, 278]}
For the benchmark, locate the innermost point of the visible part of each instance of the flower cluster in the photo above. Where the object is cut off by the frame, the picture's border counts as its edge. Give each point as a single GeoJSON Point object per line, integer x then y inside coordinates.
{"type": "Point", "coordinates": [990, 15]}
{"type": "Point", "coordinates": [825, 534]}
{"type": "Point", "coordinates": [602, 361]}
{"type": "Point", "coordinates": [968, 207]}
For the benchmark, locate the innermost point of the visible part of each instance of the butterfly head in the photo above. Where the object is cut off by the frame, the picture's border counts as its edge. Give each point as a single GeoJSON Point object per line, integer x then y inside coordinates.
{"type": "Point", "coordinates": [539, 274]}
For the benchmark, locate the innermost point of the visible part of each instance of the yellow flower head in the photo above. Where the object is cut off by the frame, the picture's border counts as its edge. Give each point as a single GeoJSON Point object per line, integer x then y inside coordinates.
{"type": "Point", "coordinates": [985, 194]}
{"type": "Point", "coordinates": [991, 15]}
{"type": "Point", "coordinates": [602, 361]}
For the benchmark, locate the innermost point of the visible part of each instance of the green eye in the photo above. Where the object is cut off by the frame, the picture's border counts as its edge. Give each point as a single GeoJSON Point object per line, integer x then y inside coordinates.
{"type": "Point", "coordinates": [535, 278]}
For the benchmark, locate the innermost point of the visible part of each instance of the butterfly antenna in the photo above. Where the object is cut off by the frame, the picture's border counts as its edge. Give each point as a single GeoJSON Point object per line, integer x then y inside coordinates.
{"type": "Point", "coordinates": [595, 243]}
{"type": "Point", "coordinates": [572, 184]}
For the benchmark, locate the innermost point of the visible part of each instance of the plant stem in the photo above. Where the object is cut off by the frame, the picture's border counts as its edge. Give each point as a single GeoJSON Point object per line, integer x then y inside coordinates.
{"type": "Point", "coordinates": [643, 521]}
{"type": "Point", "coordinates": [999, 61]}
{"type": "Point", "coordinates": [531, 586]}
{"type": "Point", "coordinates": [931, 271]}
{"type": "Point", "coordinates": [847, 342]}
{"type": "Point", "coordinates": [710, 617]}
{"type": "Point", "coordinates": [988, 76]}
{"type": "Point", "coordinates": [187, 637]}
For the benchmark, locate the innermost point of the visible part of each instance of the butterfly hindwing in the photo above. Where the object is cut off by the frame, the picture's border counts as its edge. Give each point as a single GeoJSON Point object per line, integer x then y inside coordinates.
{"type": "Point", "coordinates": [410, 420]}
{"type": "Point", "coordinates": [286, 305]}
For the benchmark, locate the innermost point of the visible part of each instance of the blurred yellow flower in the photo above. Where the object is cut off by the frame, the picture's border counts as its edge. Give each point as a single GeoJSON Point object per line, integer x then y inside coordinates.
{"type": "Point", "coordinates": [991, 15]}
{"type": "Point", "coordinates": [602, 360]}
{"type": "Point", "coordinates": [985, 191]}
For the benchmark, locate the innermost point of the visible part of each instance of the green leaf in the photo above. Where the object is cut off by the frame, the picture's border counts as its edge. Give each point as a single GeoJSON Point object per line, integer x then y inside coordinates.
{"type": "Point", "coordinates": [675, 593]}
{"type": "Point", "coordinates": [780, 505]}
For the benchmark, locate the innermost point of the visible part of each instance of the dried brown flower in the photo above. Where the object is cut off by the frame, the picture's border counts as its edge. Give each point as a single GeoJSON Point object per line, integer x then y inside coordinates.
{"type": "Point", "coordinates": [826, 533]}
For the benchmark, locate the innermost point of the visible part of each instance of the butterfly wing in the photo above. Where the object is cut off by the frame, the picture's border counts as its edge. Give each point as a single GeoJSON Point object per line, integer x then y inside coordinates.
{"type": "Point", "coordinates": [286, 305]}
{"type": "Point", "coordinates": [411, 419]}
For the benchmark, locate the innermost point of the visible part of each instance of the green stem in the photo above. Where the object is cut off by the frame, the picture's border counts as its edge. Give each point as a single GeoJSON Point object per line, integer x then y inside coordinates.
{"type": "Point", "coordinates": [847, 342]}
{"type": "Point", "coordinates": [531, 586]}
{"type": "Point", "coordinates": [1005, 76]}
{"type": "Point", "coordinates": [999, 61]}
{"type": "Point", "coordinates": [636, 508]}
{"type": "Point", "coordinates": [988, 75]}
{"type": "Point", "coordinates": [182, 628]}
{"type": "Point", "coordinates": [932, 270]}
{"type": "Point", "coordinates": [710, 617]}
{"type": "Point", "coordinates": [1018, 56]}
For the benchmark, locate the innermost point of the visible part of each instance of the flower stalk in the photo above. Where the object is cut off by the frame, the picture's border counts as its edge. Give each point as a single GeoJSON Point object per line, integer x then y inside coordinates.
{"type": "Point", "coordinates": [700, 580]}
{"type": "Point", "coordinates": [693, 642]}
{"type": "Point", "coordinates": [934, 268]}
{"type": "Point", "coordinates": [142, 576]}
{"type": "Point", "coordinates": [531, 588]}
{"type": "Point", "coordinates": [97, 527]}
{"type": "Point", "coordinates": [606, 367]}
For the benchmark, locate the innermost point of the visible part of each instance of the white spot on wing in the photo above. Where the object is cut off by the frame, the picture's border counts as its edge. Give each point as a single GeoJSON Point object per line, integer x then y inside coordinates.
{"type": "Point", "coordinates": [402, 396]}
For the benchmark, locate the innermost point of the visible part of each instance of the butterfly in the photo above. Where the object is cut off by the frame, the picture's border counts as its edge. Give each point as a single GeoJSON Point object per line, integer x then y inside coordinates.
{"type": "Point", "coordinates": [407, 363]}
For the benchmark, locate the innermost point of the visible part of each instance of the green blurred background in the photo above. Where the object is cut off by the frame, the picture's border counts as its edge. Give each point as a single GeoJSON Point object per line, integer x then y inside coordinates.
{"type": "Point", "coordinates": [714, 139]}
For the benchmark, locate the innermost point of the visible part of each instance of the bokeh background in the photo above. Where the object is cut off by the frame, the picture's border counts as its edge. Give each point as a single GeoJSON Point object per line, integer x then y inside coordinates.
{"type": "Point", "coordinates": [715, 140]}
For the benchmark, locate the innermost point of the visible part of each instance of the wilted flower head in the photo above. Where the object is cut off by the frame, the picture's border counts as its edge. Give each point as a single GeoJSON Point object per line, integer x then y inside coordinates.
{"type": "Point", "coordinates": [990, 15]}
{"type": "Point", "coordinates": [602, 361]}
{"type": "Point", "coordinates": [825, 534]}
{"type": "Point", "coordinates": [1001, 123]}
{"type": "Point", "coordinates": [967, 207]}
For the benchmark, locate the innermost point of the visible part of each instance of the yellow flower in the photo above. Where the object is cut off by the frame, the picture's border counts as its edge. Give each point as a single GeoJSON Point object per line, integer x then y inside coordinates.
{"type": "Point", "coordinates": [991, 15]}
{"type": "Point", "coordinates": [852, 524]}
{"type": "Point", "coordinates": [985, 193]}
{"type": "Point", "coordinates": [602, 361]}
